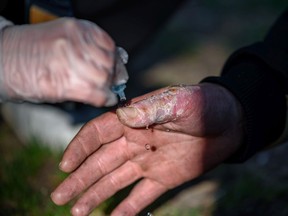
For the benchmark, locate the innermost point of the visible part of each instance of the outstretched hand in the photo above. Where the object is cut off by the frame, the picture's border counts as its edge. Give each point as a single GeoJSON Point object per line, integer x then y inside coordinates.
{"type": "Point", "coordinates": [163, 139]}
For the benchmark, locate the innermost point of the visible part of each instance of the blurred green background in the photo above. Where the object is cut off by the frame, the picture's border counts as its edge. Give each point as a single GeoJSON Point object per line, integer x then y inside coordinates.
{"type": "Point", "coordinates": [194, 44]}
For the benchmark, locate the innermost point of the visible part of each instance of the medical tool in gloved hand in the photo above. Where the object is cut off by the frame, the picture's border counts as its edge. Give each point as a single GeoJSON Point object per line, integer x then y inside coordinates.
{"type": "Point", "coordinates": [119, 87]}
{"type": "Point", "coordinates": [79, 67]}
{"type": "Point", "coordinates": [119, 90]}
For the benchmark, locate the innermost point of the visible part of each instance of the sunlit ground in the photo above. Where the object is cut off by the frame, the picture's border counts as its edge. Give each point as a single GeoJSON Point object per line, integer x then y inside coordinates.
{"type": "Point", "coordinates": [195, 44]}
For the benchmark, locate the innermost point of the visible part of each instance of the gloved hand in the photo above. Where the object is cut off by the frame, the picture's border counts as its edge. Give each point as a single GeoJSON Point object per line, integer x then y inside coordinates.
{"type": "Point", "coordinates": [62, 60]}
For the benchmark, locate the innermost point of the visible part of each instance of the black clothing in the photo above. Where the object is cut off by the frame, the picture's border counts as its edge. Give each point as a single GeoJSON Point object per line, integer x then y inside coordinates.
{"type": "Point", "coordinates": [13, 10]}
{"type": "Point", "coordinates": [130, 23]}
{"type": "Point", "coordinates": [257, 75]}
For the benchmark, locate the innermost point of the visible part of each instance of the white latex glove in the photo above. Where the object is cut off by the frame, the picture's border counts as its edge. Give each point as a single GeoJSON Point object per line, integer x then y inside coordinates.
{"type": "Point", "coordinates": [62, 60]}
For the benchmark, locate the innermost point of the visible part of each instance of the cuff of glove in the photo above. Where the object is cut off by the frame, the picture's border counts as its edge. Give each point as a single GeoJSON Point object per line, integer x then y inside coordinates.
{"type": "Point", "coordinates": [3, 24]}
{"type": "Point", "coordinates": [263, 103]}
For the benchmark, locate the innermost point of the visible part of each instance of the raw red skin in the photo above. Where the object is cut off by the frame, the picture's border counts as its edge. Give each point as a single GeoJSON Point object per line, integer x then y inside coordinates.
{"type": "Point", "coordinates": [170, 105]}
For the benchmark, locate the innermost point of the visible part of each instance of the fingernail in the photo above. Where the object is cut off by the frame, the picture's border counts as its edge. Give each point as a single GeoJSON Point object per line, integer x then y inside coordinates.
{"type": "Point", "coordinates": [76, 210]}
{"type": "Point", "coordinates": [62, 165]}
{"type": "Point", "coordinates": [57, 198]}
{"type": "Point", "coordinates": [128, 112]}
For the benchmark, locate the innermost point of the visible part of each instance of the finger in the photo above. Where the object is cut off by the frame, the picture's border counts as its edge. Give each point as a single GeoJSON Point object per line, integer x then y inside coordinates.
{"type": "Point", "coordinates": [106, 187]}
{"type": "Point", "coordinates": [91, 70]}
{"type": "Point", "coordinates": [143, 194]}
{"type": "Point", "coordinates": [91, 136]}
{"type": "Point", "coordinates": [98, 57]}
{"type": "Point", "coordinates": [164, 106]}
{"type": "Point", "coordinates": [121, 74]}
{"type": "Point", "coordinates": [98, 97]}
{"type": "Point", "coordinates": [97, 61]}
{"type": "Point", "coordinates": [95, 167]}
{"type": "Point", "coordinates": [99, 36]}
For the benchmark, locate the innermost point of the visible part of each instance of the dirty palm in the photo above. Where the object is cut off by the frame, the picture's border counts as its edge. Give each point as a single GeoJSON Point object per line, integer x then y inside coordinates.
{"type": "Point", "coordinates": [162, 139]}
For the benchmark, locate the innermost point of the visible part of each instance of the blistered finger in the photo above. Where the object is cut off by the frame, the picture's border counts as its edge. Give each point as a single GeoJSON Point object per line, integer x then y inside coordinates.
{"type": "Point", "coordinates": [164, 106]}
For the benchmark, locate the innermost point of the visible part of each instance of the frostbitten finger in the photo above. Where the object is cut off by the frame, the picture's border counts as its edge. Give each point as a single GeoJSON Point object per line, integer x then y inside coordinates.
{"type": "Point", "coordinates": [168, 105]}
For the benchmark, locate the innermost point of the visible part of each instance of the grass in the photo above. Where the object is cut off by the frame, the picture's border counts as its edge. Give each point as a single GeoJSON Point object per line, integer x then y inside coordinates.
{"type": "Point", "coordinates": [28, 174]}
{"type": "Point", "coordinates": [249, 194]}
{"type": "Point", "coordinates": [181, 212]}
{"type": "Point", "coordinates": [31, 173]}
{"type": "Point", "coordinates": [27, 180]}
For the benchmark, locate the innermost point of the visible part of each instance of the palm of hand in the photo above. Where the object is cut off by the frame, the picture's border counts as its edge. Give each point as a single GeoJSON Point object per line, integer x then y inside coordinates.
{"type": "Point", "coordinates": [115, 156]}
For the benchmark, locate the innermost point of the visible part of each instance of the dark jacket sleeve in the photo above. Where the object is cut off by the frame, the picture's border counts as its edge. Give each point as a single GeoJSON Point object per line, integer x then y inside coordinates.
{"type": "Point", "coordinates": [129, 22]}
{"type": "Point", "coordinates": [257, 75]}
{"type": "Point", "coordinates": [13, 10]}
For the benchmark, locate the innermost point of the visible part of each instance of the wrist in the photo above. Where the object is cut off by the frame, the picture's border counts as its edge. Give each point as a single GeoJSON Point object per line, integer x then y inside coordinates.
{"type": "Point", "coordinates": [224, 114]}
{"type": "Point", "coordinates": [262, 98]}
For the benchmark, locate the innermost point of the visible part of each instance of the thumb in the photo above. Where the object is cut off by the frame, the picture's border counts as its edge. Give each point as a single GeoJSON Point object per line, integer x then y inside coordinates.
{"type": "Point", "coordinates": [168, 104]}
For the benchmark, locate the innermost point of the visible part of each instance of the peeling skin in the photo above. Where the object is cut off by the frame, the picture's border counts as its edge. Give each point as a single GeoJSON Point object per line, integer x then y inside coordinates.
{"type": "Point", "coordinates": [172, 103]}
{"type": "Point", "coordinates": [208, 131]}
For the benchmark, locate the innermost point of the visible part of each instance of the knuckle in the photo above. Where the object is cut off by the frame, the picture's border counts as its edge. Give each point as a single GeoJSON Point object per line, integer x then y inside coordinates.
{"type": "Point", "coordinates": [82, 145]}
{"type": "Point", "coordinates": [70, 24]}
{"type": "Point", "coordinates": [105, 62]}
{"type": "Point", "coordinates": [101, 166]}
{"type": "Point", "coordinates": [107, 71]}
{"type": "Point", "coordinates": [109, 42]}
{"type": "Point", "coordinates": [113, 182]}
{"type": "Point", "coordinates": [94, 127]}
